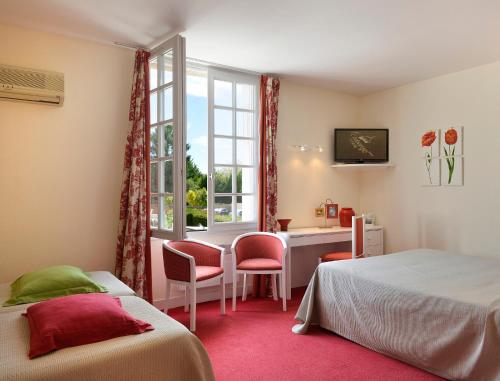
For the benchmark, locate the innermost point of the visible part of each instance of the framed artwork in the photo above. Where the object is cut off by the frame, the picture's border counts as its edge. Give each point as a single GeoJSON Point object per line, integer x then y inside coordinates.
{"type": "Point", "coordinates": [332, 211]}
{"type": "Point", "coordinates": [431, 171]}
{"type": "Point", "coordinates": [319, 212]}
{"type": "Point", "coordinates": [430, 149]}
{"type": "Point", "coordinates": [429, 143]}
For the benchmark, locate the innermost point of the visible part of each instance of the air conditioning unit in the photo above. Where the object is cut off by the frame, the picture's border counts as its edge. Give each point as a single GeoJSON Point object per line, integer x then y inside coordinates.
{"type": "Point", "coordinates": [29, 85]}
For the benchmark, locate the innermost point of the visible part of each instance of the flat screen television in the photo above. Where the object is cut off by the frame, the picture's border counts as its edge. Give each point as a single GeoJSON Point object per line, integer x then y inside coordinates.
{"type": "Point", "coordinates": [361, 145]}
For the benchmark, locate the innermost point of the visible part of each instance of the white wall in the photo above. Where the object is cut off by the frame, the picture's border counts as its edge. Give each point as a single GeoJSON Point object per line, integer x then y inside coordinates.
{"type": "Point", "coordinates": [308, 115]}
{"type": "Point", "coordinates": [61, 168]}
{"type": "Point", "coordinates": [460, 219]}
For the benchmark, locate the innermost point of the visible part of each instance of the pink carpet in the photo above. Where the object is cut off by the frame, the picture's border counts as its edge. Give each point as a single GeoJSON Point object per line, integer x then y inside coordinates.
{"type": "Point", "coordinates": [256, 343]}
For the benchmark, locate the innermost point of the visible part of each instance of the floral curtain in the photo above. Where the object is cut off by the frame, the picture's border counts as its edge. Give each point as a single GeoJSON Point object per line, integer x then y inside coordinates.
{"type": "Point", "coordinates": [268, 171]}
{"type": "Point", "coordinates": [133, 249]}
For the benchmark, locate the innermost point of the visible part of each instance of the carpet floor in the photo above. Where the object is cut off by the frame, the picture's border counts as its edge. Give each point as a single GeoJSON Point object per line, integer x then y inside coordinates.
{"type": "Point", "coordinates": [256, 343]}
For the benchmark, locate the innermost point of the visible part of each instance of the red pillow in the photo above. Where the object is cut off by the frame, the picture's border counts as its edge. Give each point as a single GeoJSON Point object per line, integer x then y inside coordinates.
{"type": "Point", "coordinates": [80, 319]}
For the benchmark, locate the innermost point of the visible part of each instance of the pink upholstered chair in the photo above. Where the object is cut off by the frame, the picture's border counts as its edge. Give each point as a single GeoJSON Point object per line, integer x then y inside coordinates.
{"type": "Point", "coordinates": [188, 263]}
{"type": "Point", "coordinates": [259, 253]}
{"type": "Point", "coordinates": [358, 243]}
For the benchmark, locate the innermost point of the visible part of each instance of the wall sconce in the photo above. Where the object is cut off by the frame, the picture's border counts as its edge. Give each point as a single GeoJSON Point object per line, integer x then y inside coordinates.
{"type": "Point", "coordinates": [301, 147]}
{"type": "Point", "coordinates": [305, 148]}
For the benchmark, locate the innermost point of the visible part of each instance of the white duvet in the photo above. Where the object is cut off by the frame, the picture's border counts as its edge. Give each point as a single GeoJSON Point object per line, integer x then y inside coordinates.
{"type": "Point", "coordinates": [435, 310]}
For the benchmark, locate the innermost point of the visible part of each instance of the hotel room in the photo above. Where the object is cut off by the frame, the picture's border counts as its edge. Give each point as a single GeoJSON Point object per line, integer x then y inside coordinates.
{"type": "Point", "coordinates": [233, 190]}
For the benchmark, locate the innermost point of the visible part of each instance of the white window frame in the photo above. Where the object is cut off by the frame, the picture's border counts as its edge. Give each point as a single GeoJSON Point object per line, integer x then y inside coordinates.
{"type": "Point", "coordinates": [177, 45]}
{"type": "Point", "coordinates": [234, 77]}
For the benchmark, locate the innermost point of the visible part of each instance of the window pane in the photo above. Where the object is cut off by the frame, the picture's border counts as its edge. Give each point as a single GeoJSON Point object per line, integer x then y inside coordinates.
{"type": "Point", "coordinates": [223, 209]}
{"type": "Point", "coordinates": [245, 180]}
{"type": "Point", "coordinates": [223, 151]}
{"type": "Point", "coordinates": [223, 122]}
{"type": "Point", "coordinates": [244, 152]}
{"type": "Point", "coordinates": [223, 93]}
{"type": "Point", "coordinates": [245, 207]}
{"type": "Point", "coordinates": [168, 212]}
{"type": "Point", "coordinates": [167, 67]}
{"type": "Point", "coordinates": [153, 215]}
{"type": "Point", "coordinates": [168, 140]}
{"type": "Point", "coordinates": [244, 96]}
{"type": "Point", "coordinates": [153, 107]}
{"type": "Point", "coordinates": [153, 74]}
{"type": "Point", "coordinates": [167, 104]}
{"type": "Point", "coordinates": [223, 180]}
{"type": "Point", "coordinates": [168, 176]}
{"type": "Point", "coordinates": [154, 177]}
{"type": "Point", "coordinates": [244, 124]}
{"type": "Point", "coordinates": [153, 143]}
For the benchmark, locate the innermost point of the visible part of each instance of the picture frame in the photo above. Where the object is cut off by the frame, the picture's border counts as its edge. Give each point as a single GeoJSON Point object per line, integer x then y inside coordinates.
{"type": "Point", "coordinates": [332, 211]}
{"type": "Point", "coordinates": [319, 212]}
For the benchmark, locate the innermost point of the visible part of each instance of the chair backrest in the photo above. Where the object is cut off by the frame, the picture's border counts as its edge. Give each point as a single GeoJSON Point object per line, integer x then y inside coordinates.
{"type": "Point", "coordinates": [259, 245]}
{"type": "Point", "coordinates": [358, 236]}
{"type": "Point", "coordinates": [177, 262]}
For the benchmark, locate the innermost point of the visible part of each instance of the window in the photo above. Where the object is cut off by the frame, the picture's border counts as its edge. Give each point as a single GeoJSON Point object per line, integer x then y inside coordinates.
{"type": "Point", "coordinates": [220, 152]}
{"type": "Point", "coordinates": [233, 149]}
{"type": "Point", "coordinates": [167, 95]}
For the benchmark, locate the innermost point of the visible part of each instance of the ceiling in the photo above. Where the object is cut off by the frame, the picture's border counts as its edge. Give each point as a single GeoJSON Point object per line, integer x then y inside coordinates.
{"type": "Point", "coordinates": [353, 46]}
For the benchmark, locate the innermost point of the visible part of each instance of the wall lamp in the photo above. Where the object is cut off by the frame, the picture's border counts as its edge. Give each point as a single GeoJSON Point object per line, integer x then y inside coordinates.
{"type": "Point", "coordinates": [305, 148]}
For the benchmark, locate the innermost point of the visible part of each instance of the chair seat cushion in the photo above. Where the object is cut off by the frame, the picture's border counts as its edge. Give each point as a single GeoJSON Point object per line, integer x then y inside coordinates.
{"type": "Point", "coordinates": [259, 264]}
{"type": "Point", "coordinates": [207, 272]}
{"type": "Point", "coordinates": [339, 256]}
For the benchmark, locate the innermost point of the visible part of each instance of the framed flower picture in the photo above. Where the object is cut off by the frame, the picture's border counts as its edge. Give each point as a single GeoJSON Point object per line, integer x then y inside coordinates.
{"type": "Point", "coordinates": [452, 160]}
{"type": "Point", "coordinates": [430, 149]}
{"type": "Point", "coordinates": [429, 143]}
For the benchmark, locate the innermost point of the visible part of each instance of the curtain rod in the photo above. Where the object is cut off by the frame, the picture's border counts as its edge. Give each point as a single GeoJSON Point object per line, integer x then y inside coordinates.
{"type": "Point", "coordinates": [133, 47]}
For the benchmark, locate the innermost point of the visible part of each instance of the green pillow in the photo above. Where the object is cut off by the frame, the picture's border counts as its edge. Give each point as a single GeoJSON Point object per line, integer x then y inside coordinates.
{"type": "Point", "coordinates": [49, 283]}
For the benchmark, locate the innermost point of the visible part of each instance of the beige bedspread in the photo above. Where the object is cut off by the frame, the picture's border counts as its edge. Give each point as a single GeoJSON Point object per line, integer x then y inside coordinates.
{"type": "Point", "coordinates": [170, 352]}
{"type": "Point", "coordinates": [435, 310]}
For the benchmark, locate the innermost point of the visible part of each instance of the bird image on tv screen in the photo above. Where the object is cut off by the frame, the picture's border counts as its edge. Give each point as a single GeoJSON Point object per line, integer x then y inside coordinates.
{"type": "Point", "coordinates": [361, 145]}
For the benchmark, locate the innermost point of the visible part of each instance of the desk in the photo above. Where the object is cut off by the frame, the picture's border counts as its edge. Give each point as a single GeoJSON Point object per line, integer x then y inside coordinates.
{"type": "Point", "coordinates": [317, 236]}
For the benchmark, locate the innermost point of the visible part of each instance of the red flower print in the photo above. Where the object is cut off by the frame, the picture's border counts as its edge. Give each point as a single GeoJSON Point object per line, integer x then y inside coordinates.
{"type": "Point", "coordinates": [451, 136]}
{"type": "Point", "coordinates": [428, 138]}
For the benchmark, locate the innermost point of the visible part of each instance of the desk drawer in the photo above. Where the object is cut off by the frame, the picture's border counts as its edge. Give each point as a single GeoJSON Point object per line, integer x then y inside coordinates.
{"type": "Point", "coordinates": [319, 239]}
{"type": "Point", "coordinates": [374, 250]}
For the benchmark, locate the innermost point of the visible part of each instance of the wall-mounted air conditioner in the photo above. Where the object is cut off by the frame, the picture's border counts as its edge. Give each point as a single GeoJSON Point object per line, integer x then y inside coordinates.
{"type": "Point", "coordinates": [29, 85]}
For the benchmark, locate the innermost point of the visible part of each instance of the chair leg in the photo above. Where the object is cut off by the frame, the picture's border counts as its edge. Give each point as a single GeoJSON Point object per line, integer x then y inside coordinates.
{"type": "Point", "coordinates": [192, 316]}
{"type": "Point", "coordinates": [244, 296]}
{"type": "Point", "coordinates": [275, 291]}
{"type": "Point", "coordinates": [235, 287]}
{"type": "Point", "coordinates": [186, 299]}
{"type": "Point", "coordinates": [167, 296]}
{"type": "Point", "coordinates": [283, 289]}
{"type": "Point", "coordinates": [222, 296]}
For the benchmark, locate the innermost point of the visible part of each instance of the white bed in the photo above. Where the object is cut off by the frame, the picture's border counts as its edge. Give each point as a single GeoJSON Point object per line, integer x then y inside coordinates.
{"type": "Point", "coordinates": [168, 353]}
{"type": "Point", "coordinates": [436, 310]}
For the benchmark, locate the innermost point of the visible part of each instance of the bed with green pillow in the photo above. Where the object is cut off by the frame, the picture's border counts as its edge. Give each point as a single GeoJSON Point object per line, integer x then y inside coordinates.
{"type": "Point", "coordinates": [51, 282]}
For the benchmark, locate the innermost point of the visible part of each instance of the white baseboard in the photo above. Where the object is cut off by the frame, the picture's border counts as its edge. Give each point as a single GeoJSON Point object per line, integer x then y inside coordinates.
{"type": "Point", "coordinates": [203, 294]}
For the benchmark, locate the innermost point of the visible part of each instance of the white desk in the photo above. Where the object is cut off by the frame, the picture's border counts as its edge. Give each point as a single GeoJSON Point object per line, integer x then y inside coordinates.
{"type": "Point", "coordinates": [317, 236]}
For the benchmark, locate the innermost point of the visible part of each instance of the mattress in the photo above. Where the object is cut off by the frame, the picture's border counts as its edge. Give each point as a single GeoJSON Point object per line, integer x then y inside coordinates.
{"type": "Point", "coordinates": [169, 352]}
{"type": "Point", "coordinates": [438, 311]}
{"type": "Point", "coordinates": [115, 287]}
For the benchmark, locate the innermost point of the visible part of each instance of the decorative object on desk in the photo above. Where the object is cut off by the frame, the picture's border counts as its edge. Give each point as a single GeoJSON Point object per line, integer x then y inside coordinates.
{"type": "Point", "coordinates": [332, 211]}
{"type": "Point", "coordinates": [324, 213]}
{"type": "Point", "coordinates": [429, 142]}
{"type": "Point", "coordinates": [369, 219]}
{"type": "Point", "coordinates": [345, 217]}
{"type": "Point", "coordinates": [452, 161]}
{"type": "Point", "coordinates": [319, 212]}
{"type": "Point", "coordinates": [284, 224]}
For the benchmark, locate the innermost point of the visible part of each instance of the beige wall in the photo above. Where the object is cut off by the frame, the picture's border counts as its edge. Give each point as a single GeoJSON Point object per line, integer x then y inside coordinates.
{"type": "Point", "coordinates": [60, 168]}
{"type": "Point", "coordinates": [461, 219]}
{"type": "Point", "coordinates": [308, 115]}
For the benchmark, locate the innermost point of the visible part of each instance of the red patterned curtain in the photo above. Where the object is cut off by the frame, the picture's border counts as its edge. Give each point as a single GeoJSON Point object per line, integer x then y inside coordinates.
{"type": "Point", "coordinates": [133, 249]}
{"type": "Point", "coordinates": [268, 172]}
